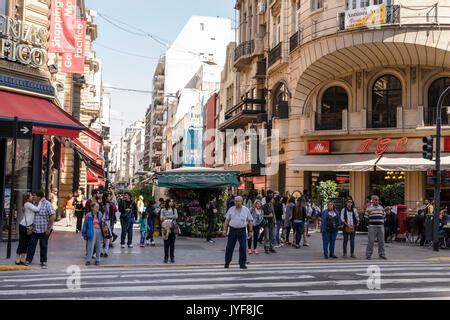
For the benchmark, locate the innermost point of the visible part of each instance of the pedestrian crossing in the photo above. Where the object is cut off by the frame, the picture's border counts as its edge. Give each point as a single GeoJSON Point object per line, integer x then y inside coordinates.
{"type": "Point", "coordinates": [326, 280]}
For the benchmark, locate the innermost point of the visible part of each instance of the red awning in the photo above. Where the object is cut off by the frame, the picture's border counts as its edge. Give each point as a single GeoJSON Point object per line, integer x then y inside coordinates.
{"type": "Point", "coordinates": [93, 160]}
{"type": "Point", "coordinates": [47, 117]}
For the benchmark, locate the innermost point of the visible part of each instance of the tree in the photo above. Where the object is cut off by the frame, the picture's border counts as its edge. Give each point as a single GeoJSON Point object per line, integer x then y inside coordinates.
{"type": "Point", "coordinates": [392, 194]}
{"type": "Point", "coordinates": [327, 190]}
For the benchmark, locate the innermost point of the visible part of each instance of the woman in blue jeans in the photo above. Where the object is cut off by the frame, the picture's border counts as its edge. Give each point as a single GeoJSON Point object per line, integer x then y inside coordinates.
{"type": "Point", "coordinates": [298, 221]}
{"type": "Point", "coordinates": [331, 221]}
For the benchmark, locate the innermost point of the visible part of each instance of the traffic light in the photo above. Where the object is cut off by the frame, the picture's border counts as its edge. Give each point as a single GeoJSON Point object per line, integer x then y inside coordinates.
{"type": "Point", "coordinates": [427, 148]}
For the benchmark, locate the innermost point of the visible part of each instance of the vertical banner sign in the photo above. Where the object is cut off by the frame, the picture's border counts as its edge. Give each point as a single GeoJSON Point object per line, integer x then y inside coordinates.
{"type": "Point", "coordinates": [62, 26]}
{"type": "Point", "coordinates": [74, 62]}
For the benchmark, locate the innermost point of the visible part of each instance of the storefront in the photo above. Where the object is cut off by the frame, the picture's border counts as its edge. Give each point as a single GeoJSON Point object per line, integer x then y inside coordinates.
{"type": "Point", "coordinates": [373, 165]}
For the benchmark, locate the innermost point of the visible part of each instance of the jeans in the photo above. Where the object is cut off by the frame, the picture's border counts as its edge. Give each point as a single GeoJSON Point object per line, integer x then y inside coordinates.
{"type": "Point", "coordinates": [352, 242]}
{"type": "Point", "coordinates": [298, 227]}
{"type": "Point", "coordinates": [127, 230]}
{"type": "Point", "coordinates": [107, 242]}
{"type": "Point", "coordinates": [305, 232]}
{"type": "Point", "coordinates": [169, 245]}
{"type": "Point", "coordinates": [269, 235]}
{"type": "Point", "coordinates": [254, 238]}
{"type": "Point", "coordinates": [151, 227]}
{"type": "Point", "coordinates": [95, 243]}
{"type": "Point", "coordinates": [211, 226]}
{"type": "Point", "coordinates": [79, 215]}
{"type": "Point", "coordinates": [375, 232]}
{"type": "Point", "coordinates": [43, 246]}
{"type": "Point", "coordinates": [287, 233]}
{"type": "Point", "coordinates": [143, 236]}
{"type": "Point", "coordinates": [329, 240]}
{"type": "Point", "coordinates": [235, 235]}
{"type": "Point", "coordinates": [278, 226]}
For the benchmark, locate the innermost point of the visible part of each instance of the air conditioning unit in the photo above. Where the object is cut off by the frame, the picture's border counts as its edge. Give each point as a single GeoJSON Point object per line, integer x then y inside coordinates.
{"type": "Point", "coordinates": [262, 6]}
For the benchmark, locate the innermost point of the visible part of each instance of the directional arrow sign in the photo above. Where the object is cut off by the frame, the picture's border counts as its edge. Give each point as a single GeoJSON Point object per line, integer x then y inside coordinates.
{"type": "Point", "coordinates": [24, 129]}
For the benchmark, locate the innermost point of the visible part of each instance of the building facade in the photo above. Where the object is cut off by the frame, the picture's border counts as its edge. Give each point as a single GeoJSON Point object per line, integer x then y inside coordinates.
{"type": "Point", "coordinates": [350, 87]}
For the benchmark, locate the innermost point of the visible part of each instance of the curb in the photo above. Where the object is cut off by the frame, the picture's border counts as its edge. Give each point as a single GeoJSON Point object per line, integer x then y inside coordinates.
{"type": "Point", "coordinates": [13, 268]}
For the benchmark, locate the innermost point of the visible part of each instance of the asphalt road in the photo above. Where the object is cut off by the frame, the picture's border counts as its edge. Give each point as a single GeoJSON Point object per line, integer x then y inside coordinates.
{"type": "Point", "coordinates": [348, 280]}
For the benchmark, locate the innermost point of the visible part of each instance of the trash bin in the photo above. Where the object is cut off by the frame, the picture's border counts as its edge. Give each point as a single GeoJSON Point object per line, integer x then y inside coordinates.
{"type": "Point", "coordinates": [401, 221]}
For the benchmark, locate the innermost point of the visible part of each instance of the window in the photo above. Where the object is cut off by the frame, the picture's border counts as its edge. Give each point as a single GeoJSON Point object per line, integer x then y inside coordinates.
{"type": "Point", "coordinates": [436, 88]}
{"type": "Point", "coordinates": [4, 7]}
{"type": "Point", "coordinates": [316, 4]}
{"type": "Point", "coordinates": [329, 115]}
{"type": "Point", "coordinates": [364, 3]}
{"type": "Point", "coordinates": [386, 97]}
{"type": "Point", "coordinates": [202, 27]}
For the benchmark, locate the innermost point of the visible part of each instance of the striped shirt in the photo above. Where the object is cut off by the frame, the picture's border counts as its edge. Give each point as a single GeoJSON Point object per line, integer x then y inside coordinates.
{"type": "Point", "coordinates": [376, 215]}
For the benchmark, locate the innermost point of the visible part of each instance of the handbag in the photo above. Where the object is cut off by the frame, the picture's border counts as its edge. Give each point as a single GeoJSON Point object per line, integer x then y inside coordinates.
{"type": "Point", "coordinates": [30, 228]}
{"type": "Point", "coordinates": [349, 229]}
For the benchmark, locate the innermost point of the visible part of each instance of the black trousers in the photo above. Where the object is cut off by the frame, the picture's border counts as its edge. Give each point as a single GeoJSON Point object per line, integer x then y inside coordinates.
{"type": "Point", "coordinates": [235, 235]}
{"type": "Point", "coordinates": [169, 245]}
{"type": "Point", "coordinates": [43, 246]}
{"type": "Point", "coordinates": [79, 215]}
{"type": "Point", "coordinates": [24, 240]}
{"type": "Point", "coordinates": [254, 238]}
{"type": "Point", "coordinates": [211, 227]}
{"type": "Point", "coordinates": [127, 230]}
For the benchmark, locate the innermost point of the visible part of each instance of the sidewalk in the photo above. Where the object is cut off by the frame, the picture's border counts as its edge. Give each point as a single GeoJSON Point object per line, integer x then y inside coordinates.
{"type": "Point", "coordinates": [68, 248]}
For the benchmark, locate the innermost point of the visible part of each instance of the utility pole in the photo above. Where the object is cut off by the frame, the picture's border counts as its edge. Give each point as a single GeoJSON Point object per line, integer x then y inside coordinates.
{"type": "Point", "coordinates": [437, 187]}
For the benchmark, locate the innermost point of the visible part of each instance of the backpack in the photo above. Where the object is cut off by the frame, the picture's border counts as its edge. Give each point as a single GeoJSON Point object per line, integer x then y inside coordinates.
{"type": "Point", "coordinates": [331, 224]}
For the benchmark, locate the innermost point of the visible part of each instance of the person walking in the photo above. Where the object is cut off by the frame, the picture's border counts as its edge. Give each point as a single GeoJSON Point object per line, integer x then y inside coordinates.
{"type": "Point", "coordinates": [109, 210]}
{"type": "Point", "coordinates": [93, 234]}
{"type": "Point", "coordinates": [375, 214]}
{"type": "Point", "coordinates": [143, 228]}
{"type": "Point", "coordinates": [211, 217]}
{"type": "Point", "coordinates": [258, 219]}
{"type": "Point", "coordinates": [168, 212]}
{"type": "Point", "coordinates": [390, 224]}
{"type": "Point", "coordinates": [298, 221]}
{"type": "Point", "coordinates": [288, 218]}
{"type": "Point", "coordinates": [278, 209]}
{"type": "Point", "coordinates": [330, 225]}
{"type": "Point", "coordinates": [350, 219]}
{"type": "Point", "coordinates": [151, 215]}
{"type": "Point", "coordinates": [43, 227]}
{"type": "Point", "coordinates": [140, 206]}
{"type": "Point", "coordinates": [77, 203]}
{"type": "Point", "coordinates": [69, 210]}
{"type": "Point", "coordinates": [128, 212]}
{"type": "Point", "coordinates": [26, 227]}
{"type": "Point", "coordinates": [238, 218]}
{"type": "Point", "coordinates": [269, 225]}
{"type": "Point", "coordinates": [96, 196]}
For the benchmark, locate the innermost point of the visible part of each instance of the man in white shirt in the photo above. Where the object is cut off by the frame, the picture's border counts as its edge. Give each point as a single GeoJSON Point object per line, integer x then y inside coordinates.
{"type": "Point", "coordinates": [237, 218]}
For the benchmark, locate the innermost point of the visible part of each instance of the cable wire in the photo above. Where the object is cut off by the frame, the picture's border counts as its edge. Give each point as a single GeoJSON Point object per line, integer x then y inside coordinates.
{"type": "Point", "coordinates": [126, 53]}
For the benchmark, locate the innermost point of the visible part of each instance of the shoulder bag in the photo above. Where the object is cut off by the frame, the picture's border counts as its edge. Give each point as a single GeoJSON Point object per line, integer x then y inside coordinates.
{"type": "Point", "coordinates": [30, 228]}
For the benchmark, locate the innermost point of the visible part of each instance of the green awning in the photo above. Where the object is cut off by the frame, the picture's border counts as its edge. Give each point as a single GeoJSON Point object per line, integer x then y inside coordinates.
{"type": "Point", "coordinates": [197, 178]}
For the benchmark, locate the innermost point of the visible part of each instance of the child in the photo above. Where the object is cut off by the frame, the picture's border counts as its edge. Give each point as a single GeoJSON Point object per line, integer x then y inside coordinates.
{"type": "Point", "coordinates": [151, 213]}
{"type": "Point", "coordinates": [143, 228]}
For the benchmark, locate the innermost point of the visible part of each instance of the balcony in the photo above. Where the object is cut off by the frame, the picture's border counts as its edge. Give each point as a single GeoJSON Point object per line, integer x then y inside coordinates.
{"type": "Point", "coordinates": [294, 41]}
{"type": "Point", "coordinates": [261, 69]}
{"type": "Point", "coordinates": [245, 51]}
{"type": "Point", "coordinates": [275, 54]}
{"type": "Point", "coordinates": [247, 111]}
{"type": "Point", "coordinates": [392, 17]}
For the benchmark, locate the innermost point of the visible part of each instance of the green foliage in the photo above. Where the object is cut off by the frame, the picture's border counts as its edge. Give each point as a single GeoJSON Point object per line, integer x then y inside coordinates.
{"type": "Point", "coordinates": [326, 190]}
{"type": "Point", "coordinates": [392, 194]}
{"type": "Point", "coordinates": [146, 192]}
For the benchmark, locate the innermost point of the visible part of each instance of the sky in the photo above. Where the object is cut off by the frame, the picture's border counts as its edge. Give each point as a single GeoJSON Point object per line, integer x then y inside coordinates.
{"type": "Point", "coordinates": [164, 18]}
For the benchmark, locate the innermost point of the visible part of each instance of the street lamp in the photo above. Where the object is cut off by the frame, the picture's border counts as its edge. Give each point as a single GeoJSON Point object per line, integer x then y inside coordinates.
{"type": "Point", "coordinates": [437, 187]}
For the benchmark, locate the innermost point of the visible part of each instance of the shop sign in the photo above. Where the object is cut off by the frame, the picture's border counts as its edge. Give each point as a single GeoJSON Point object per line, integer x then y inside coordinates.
{"type": "Point", "coordinates": [74, 62]}
{"type": "Point", "coordinates": [446, 144]}
{"type": "Point", "coordinates": [319, 147]}
{"type": "Point", "coordinates": [23, 42]}
{"type": "Point", "coordinates": [62, 26]}
{"type": "Point", "coordinates": [24, 130]}
{"type": "Point", "coordinates": [365, 17]}
{"type": "Point", "coordinates": [382, 145]}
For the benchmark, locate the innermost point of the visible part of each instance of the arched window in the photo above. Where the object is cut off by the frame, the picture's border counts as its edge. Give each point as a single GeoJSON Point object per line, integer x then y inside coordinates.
{"type": "Point", "coordinates": [281, 102]}
{"type": "Point", "coordinates": [386, 97]}
{"type": "Point", "coordinates": [329, 115]}
{"type": "Point", "coordinates": [436, 88]}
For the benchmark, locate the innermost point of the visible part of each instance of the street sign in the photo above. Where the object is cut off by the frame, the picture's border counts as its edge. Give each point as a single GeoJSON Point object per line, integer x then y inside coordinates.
{"type": "Point", "coordinates": [24, 129]}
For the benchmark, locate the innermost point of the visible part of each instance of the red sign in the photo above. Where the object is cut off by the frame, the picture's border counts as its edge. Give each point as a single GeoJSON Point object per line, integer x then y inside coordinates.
{"type": "Point", "coordinates": [62, 26]}
{"type": "Point", "coordinates": [47, 131]}
{"type": "Point", "coordinates": [446, 144]}
{"type": "Point", "coordinates": [382, 145]}
{"type": "Point", "coordinates": [74, 62]}
{"type": "Point", "coordinates": [319, 147]}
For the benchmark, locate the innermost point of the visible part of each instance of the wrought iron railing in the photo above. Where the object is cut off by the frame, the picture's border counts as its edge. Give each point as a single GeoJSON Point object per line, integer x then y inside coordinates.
{"type": "Point", "coordinates": [328, 121]}
{"type": "Point", "coordinates": [392, 17]}
{"type": "Point", "coordinates": [247, 106]}
{"type": "Point", "coordinates": [275, 54]}
{"type": "Point", "coordinates": [382, 119]}
{"type": "Point", "coordinates": [245, 48]}
{"type": "Point", "coordinates": [294, 41]}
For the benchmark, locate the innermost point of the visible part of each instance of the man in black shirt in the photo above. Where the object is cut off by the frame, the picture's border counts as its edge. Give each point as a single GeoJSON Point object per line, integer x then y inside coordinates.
{"type": "Point", "coordinates": [77, 202]}
{"type": "Point", "coordinates": [128, 212]}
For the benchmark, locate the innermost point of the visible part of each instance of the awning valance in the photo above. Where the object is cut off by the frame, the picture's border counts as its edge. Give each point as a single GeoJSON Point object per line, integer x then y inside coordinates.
{"type": "Point", "coordinates": [46, 117]}
{"type": "Point", "coordinates": [346, 162]}
{"type": "Point", "coordinates": [410, 162]}
{"type": "Point", "coordinates": [198, 178]}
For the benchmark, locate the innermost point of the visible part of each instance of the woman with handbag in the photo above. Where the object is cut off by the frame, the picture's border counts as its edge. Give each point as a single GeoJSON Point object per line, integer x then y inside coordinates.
{"type": "Point", "coordinates": [93, 232]}
{"type": "Point", "coordinates": [258, 222]}
{"type": "Point", "coordinates": [26, 227]}
{"type": "Point", "coordinates": [350, 219]}
{"type": "Point", "coordinates": [331, 221]}
{"type": "Point", "coordinates": [169, 213]}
